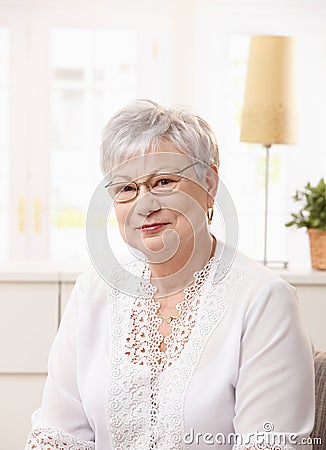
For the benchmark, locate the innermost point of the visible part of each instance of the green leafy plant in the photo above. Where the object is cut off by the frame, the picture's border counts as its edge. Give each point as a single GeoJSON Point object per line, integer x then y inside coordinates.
{"type": "Point", "coordinates": [313, 211]}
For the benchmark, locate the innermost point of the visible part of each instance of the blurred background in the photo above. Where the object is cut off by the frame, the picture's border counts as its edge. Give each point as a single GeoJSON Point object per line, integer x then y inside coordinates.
{"type": "Point", "coordinates": [67, 65]}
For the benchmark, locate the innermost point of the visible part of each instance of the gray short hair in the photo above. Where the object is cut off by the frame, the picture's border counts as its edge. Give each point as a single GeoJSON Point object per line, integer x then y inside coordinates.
{"type": "Point", "coordinates": [144, 124]}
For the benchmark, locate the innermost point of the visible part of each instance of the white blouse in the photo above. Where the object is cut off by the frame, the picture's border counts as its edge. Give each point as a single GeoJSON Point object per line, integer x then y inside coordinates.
{"type": "Point", "coordinates": [238, 362]}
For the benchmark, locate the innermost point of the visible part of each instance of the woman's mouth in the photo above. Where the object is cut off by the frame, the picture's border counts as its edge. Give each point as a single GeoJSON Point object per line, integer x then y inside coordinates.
{"type": "Point", "coordinates": [152, 227]}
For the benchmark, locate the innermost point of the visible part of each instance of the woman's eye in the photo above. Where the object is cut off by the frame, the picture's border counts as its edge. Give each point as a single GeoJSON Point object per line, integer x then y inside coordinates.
{"type": "Point", "coordinates": [127, 188]}
{"type": "Point", "coordinates": [163, 182]}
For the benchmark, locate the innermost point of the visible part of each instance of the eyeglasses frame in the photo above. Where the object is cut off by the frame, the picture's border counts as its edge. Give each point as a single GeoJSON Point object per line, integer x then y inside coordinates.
{"type": "Point", "coordinates": [146, 183]}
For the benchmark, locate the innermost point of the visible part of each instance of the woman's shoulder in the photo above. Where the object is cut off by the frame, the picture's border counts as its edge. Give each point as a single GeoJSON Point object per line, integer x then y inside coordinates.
{"type": "Point", "coordinates": [252, 268]}
{"type": "Point", "coordinates": [90, 281]}
{"type": "Point", "coordinates": [97, 282]}
{"type": "Point", "coordinates": [251, 271]}
{"type": "Point", "coordinates": [254, 281]}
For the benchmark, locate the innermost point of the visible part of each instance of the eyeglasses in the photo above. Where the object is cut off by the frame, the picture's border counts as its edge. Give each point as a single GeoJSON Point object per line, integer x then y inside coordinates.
{"type": "Point", "coordinates": [159, 184]}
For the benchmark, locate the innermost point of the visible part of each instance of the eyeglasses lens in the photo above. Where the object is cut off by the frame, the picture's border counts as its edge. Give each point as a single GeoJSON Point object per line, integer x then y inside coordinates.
{"type": "Point", "coordinates": [158, 184]}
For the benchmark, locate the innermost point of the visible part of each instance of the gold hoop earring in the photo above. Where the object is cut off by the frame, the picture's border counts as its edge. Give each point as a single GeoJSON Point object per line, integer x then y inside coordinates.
{"type": "Point", "coordinates": [210, 212]}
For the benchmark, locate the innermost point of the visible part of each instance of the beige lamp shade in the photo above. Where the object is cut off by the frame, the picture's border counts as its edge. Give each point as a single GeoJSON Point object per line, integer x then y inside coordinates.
{"type": "Point", "coordinates": [269, 113]}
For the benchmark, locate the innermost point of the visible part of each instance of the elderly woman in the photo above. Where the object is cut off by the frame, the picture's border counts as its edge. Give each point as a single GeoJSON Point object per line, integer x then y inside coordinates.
{"type": "Point", "coordinates": [207, 352]}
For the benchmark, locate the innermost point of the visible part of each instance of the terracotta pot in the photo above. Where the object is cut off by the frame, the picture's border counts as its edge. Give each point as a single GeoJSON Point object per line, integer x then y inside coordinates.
{"type": "Point", "coordinates": [317, 248]}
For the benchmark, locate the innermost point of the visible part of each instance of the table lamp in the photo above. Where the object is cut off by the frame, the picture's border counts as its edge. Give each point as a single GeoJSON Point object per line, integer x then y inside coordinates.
{"type": "Point", "coordinates": [269, 111]}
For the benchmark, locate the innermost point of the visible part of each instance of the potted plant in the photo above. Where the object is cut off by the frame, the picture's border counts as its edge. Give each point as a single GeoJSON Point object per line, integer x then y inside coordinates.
{"type": "Point", "coordinates": [312, 216]}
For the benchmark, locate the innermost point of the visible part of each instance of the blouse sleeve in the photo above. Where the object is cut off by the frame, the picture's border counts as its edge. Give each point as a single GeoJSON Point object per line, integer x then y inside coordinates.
{"type": "Point", "coordinates": [60, 422]}
{"type": "Point", "coordinates": [275, 385]}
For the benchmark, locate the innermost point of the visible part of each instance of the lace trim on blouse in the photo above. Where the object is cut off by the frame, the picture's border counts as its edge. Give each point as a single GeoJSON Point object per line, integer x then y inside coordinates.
{"type": "Point", "coordinates": [147, 387]}
{"type": "Point", "coordinates": [144, 339]}
{"type": "Point", "coordinates": [49, 438]}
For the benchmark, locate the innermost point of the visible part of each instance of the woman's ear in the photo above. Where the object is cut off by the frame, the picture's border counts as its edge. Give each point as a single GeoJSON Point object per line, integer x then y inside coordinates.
{"type": "Point", "coordinates": [211, 184]}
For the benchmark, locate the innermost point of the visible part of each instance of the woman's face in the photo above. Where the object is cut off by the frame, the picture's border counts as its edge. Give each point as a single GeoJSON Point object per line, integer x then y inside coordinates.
{"type": "Point", "coordinates": [160, 225]}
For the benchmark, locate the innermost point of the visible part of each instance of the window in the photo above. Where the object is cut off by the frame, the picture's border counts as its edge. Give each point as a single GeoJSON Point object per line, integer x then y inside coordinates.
{"type": "Point", "coordinates": [93, 74]}
{"type": "Point", "coordinates": [70, 69]}
{"type": "Point", "coordinates": [222, 35]}
{"type": "Point", "coordinates": [246, 164]}
{"type": "Point", "coordinates": [4, 143]}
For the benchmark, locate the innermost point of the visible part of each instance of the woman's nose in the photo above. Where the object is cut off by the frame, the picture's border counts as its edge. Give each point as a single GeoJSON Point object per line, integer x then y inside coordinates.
{"type": "Point", "coordinates": [146, 202]}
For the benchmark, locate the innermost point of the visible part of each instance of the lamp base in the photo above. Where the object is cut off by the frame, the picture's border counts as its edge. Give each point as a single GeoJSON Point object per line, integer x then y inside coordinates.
{"type": "Point", "coordinates": [275, 264]}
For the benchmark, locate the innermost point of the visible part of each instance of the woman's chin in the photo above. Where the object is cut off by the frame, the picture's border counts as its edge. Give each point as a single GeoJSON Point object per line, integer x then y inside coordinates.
{"type": "Point", "coordinates": [152, 244]}
{"type": "Point", "coordinates": [155, 250]}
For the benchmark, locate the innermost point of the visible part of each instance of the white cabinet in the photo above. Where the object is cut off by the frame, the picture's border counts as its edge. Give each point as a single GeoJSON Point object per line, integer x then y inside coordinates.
{"type": "Point", "coordinates": [28, 324]}
{"type": "Point", "coordinates": [20, 396]}
{"type": "Point", "coordinates": [32, 301]}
